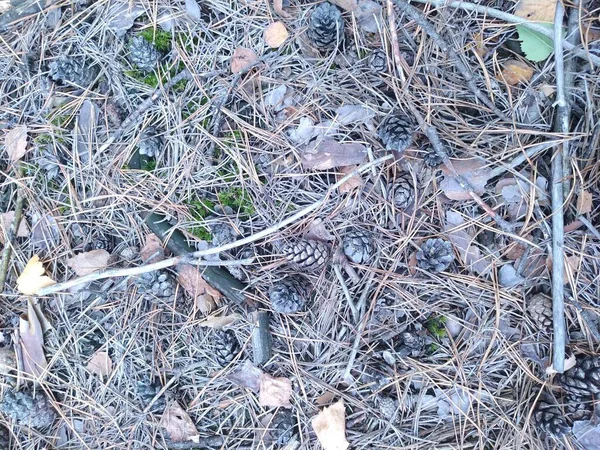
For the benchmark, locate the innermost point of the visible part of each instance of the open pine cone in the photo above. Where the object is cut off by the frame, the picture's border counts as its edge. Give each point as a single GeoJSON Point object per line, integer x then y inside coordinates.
{"type": "Point", "coordinates": [306, 255]}
{"type": "Point", "coordinates": [359, 246]}
{"type": "Point", "coordinates": [549, 418]}
{"type": "Point", "coordinates": [143, 54]}
{"type": "Point", "coordinates": [435, 255]}
{"type": "Point", "coordinates": [289, 295]}
{"type": "Point", "coordinates": [326, 27]}
{"type": "Point", "coordinates": [396, 132]}
{"type": "Point", "coordinates": [25, 409]}
{"type": "Point", "coordinates": [539, 308]}
{"type": "Point", "coordinates": [226, 346]}
{"type": "Point", "coordinates": [71, 70]}
{"type": "Point", "coordinates": [582, 380]}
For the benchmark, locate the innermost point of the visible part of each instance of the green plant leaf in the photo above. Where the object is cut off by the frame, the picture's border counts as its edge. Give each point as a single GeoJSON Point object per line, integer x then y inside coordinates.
{"type": "Point", "coordinates": [535, 46]}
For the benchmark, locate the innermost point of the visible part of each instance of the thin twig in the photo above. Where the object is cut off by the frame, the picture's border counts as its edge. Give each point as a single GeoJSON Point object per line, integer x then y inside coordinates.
{"type": "Point", "coordinates": [580, 52]}
{"type": "Point", "coordinates": [12, 231]}
{"type": "Point", "coordinates": [395, 46]}
{"type": "Point", "coordinates": [558, 239]}
{"type": "Point", "coordinates": [338, 274]}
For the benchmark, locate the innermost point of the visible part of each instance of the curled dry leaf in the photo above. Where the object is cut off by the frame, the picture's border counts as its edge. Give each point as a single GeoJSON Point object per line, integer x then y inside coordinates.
{"type": "Point", "coordinates": [89, 262]}
{"type": "Point", "coordinates": [121, 16]}
{"type": "Point", "coordinates": [247, 376]}
{"type": "Point", "coordinates": [45, 233]}
{"type": "Point", "coordinates": [536, 10]}
{"type": "Point", "coordinates": [178, 424]}
{"type": "Point", "coordinates": [348, 114]}
{"type": "Point", "coordinates": [569, 364]}
{"type": "Point", "coordinates": [193, 9]}
{"type": "Point", "coordinates": [368, 16]}
{"type": "Point", "coordinates": [6, 220]}
{"type": "Point", "coordinates": [330, 427]}
{"type": "Point", "coordinates": [584, 202]}
{"type": "Point", "coordinates": [153, 250]}
{"type": "Point", "coordinates": [190, 279]}
{"type": "Point", "coordinates": [348, 5]}
{"type": "Point", "coordinates": [354, 182]}
{"type": "Point", "coordinates": [100, 364]}
{"type": "Point", "coordinates": [33, 277]}
{"type": "Point", "coordinates": [274, 392]}
{"type": "Point", "coordinates": [32, 342]}
{"type": "Point", "coordinates": [15, 143]}
{"type": "Point", "coordinates": [317, 231]}
{"type": "Point", "coordinates": [242, 59]}
{"type": "Point", "coordinates": [327, 154]}
{"type": "Point", "coordinates": [473, 170]}
{"type": "Point", "coordinates": [219, 322]}
{"type": "Point", "coordinates": [516, 72]}
{"type": "Point", "coordinates": [275, 34]}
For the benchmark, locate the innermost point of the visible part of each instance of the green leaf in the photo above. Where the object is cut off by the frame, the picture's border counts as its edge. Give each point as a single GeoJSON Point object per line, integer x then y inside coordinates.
{"type": "Point", "coordinates": [534, 45]}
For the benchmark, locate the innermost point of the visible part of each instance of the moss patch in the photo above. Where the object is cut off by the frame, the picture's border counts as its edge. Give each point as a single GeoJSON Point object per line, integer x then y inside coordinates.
{"type": "Point", "coordinates": [238, 199]}
{"type": "Point", "coordinates": [160, 39]}
{"type": "Point", "coordinates": [436, 326]}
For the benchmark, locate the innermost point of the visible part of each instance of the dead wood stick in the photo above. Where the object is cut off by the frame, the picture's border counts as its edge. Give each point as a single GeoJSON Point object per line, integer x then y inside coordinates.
{"type": "Point", "coordinates": [395, 46]}
{"type": "Point", "coordinates": [561, 125]}
{"type": "Point", "coordinates": [262, 342]}
{"type": "Point", "coordinates": [12, 231]}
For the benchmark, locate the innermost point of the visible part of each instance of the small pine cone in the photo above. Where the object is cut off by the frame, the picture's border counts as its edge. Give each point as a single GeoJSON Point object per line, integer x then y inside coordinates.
{"type": "Point", "coordinates": [435, 254]}
{"type": "Point", "coordinates": [432, 157]}
{"type": "Point", "coordinates": [26, 410]}
{"type": "Point", "coordinates": [359, 246]}
{"type": "Point", "coordinates": [578, 408]}
{"type": "Point", "coordinates": [150, 144]}
{"type": "Point", "coordinates": [378, 61]}
{"type": "Point", "coordinates": [289, 295]}
{"type": "Point", "coordinates": [326, 27]}
{"type": "Point", "coordinates": [158, 284]}
{"type": "Point", "coordinates": [143, 54]}
{"type": "Point", "coordinates": [539, 308]}
{"type": "Point", "coordinates": [549, 418]}
{"type": "Point", "coordinates": [402, 193]}
{"type": "Point", "coordinates": [396, 132]}
{"type": "Point", "coordinates": [584, 379]}
{"type": "Point", "coordinates": [387, 407]}
{"type": "Point", "coordinates": [226, 346]}
{"type": "Point", "coordinates": [306, 255]}
{"type": "Point", "coordinates": [146, 391]}
{"type": "Point", "coordinates": [282, 427]}
{"type": "Point", "coordinates": [71, 70]}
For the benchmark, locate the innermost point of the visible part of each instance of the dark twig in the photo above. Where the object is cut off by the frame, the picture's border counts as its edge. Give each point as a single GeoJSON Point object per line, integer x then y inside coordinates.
{"type": "Point", "coordinates": [467, 74]}
{"type": "Point", "coordinates": [262, 343]}
{"type": "Point", "coordinates": [12, 232]}
{"type": "Point", "coordinates": [561, 125]}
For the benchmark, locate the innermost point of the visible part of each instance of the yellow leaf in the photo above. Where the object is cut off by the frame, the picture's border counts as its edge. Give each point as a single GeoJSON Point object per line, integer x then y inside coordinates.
{"type": "Point", "coordinates": [276, 34]}
{"type": "Point", "coordinates": [536, 10]}
{"type": "Point", "coordinates": [515, 72]}
{"type": "Point", "coordinates": [32, 279]}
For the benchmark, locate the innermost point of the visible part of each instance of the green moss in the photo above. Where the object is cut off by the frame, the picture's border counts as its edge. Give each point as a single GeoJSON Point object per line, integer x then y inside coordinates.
{"type": "Point", "coordinates": [200, 209]}
{"type": "Point", "coordinates": [151, 79]}
{"type": "Point", "coordinates": [238, 199]}
{"type": "Point", "coordinates": [436, 326]}
{"type": "Point", "coordinates": [149, 164]}
{"type": "Point", "coordinates": [160, 39]}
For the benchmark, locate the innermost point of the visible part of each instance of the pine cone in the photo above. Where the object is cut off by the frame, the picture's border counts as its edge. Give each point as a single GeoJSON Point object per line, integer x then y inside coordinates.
{"type": "Point", "coordinates": [326, 27]}
{"type": "Point", "coordinates": [24, 409]}
{"type": "Point", "coordinates": [150, 144]}
{"type": "Point", "coordinates": [549, 418]}
{"type": "Point", "coordinates": [396, 132]}
{"type": "Point", "coordinates": [226, 346]}
{"type": "Point", "coordinates": [71, 70]}
{"type": "Point", "coordinates": [578, 408]}
{"type": "Point", "coordinates": [387, 407]}
{"type": "Point", "coordinates": [402, 193]}
{"type": "Point", "coordinates": [378, 61]}
{"type": "Point", "coordinates": [306, 255]}
{"type": "Point", "coordinates": [539, 308]}
{"type": "Point", "coordinates": [146, 391]}
{"type": "Point", "coordinates": [282, 427]}
{"type": "Point", "coordinates": [584, 379]}
{"type": "Point", "coordinates": [143, 54]}
{"type": "Point", "coordinates": [158, 284]}
{"type": "Point", "coordinates": [359, 246]}
{"type": "Point", "coordinates": [289, 295]}
{"type": "Point", "coordinates": [432, 157]}
{"type": "Point", "coordinates": [435, 254]}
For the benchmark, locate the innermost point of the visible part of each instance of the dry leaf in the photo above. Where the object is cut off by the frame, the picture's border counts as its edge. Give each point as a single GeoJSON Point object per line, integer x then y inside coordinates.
{"type": "Point", "coordinates": [463, 241]}
{"type": "Point", "coordinates": [412, 264]}
{"type": "Point", "coordinates": [317, 231]}
{"type": "Point", "coordinates": [330, 427]}
{"type": "Point", "coordinates": [348, 114]}
{"type": "Point", "coordinates": [122, 15]}
{"type": "Point", "coordinates": [5, 5]}
{"type": "Point", "coordinates": [6, 220]}
{"type": "Point", "coordinates": [547, 89]}
{"type": "Point", "coordinates": [348, 5]}
{"type": "Point", "coordinates": [32, 342]}
{"type": "Point", "coordinates": [584, 202]}
{"type": "Point", "coordinates": [100, 364]}
{"type": "Point", "coordinates": [354, 182]}
{"type": "Point", "coordinates": [473, 170]}
{"type": "Point", "coordinates": [242, 59]}
{"type": "Point", "coordinates": [325, 399]}
{"type": "Point", "coordinates": [89, 262]}
{"type": "Point", "coordinates": [153, 250]}
{"type": "Point", "coordinates": [327, 154]}
{"type": "Point", "coordinates": [178, 424]}
{"type": "Point", "coordinates": [193, 9]}
{"type": "Point", "coordinates": [247, 376]}
{"type": "Point", "coordinates": [275, 34]}
{"type": "Point", "coordinates": [219, 322]}
{"type": "Point", "coordinates": [190, 279]}
{"type": "Point", "coordinates": [278, 7]}
{"type": "Point", "coordinates": [368, 15]}
{"type": "Point", "coordinates": [569, 363]}
{"type": "Point", "coordinates": [32, 279]}
{"type": "Point", "coordinates": [275, 392]}
{"type": "Point", "coordinates": [536, 10]}
{"type": "Point", "coordinates": [479, 46]}
{"type": "Point", "coordinates": [516, 72]}
{"type": "Point", "coordinates": [15, 142]}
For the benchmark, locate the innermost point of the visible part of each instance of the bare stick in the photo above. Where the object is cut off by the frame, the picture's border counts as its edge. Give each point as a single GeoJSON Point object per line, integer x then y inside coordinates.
{"type": "Point", "coordinates": [558, 239]}
{"type": "Point", "coordinates": [338, 274]}
{"type": "Point", "coordinates": [12, 232]}
{"type": "Point", "coordinates": [422, 21]}
{"type": "Point", "coordinates": [576, 50]}
{"type": "Point", "coordinates": [395, 46]}
{"type": "Point", "coordinates": [262, 342]}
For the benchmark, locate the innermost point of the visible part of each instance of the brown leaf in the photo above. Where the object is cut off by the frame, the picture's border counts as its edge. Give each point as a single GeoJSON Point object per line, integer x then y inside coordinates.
{"type": "Point", "coordinates": [478, 45]}
{"type": "Point", "coordinates": [330, 427]}
{"type": "Point", "coordinates": [348, 5]}
{"type": "Point", "coordinates": [33, 277]}
{"type": "Point", "coordinates": [536, 10]}
{"type": "Point", "coordinates": [15, 142]}
{"type": "Point", "coordinates": [275, 34]}
{"type": "Point", "coordinates": [274, 392]}
{"type": "Point", "coordinates": [32, 342]}
{"type": "Point", "coordinates": [473, 170]}
{"type": "Point", "coordinates": [278, 7]}
{"type": "Point", "coordinates": [516, 72]}
{"type": "Point", "coordinates": [412, 263]}
{"type": "Point", "coordinates": [354, 182]}
{"type": "Point", "coordinates": [153, 250]}
{"type": "Point", "coordinates": [6, 220]}
{"type": "Point", "coordinates": [242, 59]}
{"type": "Point", "coordinates": [325, 399]}
{"type": "Point", "coordinates": [178, 424]}
{"type": "Point", "coordinates": [327, 154]}
{"type": "Point", "coordinates": [89, 262]}
{"type": "Point", "coordinates": [317, 231]}
{"type": "Point", "coordinates": [584, 202]}
{"type": "Point", "coordinates": [219, 322]}
{"type": "Point", "coordinates": [248, 376]}
{"type": "Point", "coordinates": [100, 364]}
{"type": "Point", "coordinates": [190, 279]}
